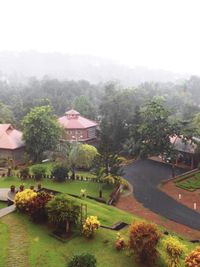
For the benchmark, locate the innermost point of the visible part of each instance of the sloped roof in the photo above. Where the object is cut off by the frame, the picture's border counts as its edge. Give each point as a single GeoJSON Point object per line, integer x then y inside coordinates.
{"type": "Point", "coordinates": [75, 122]}
{"type": "Point", "coordinates": [72, 112]}
{"type": "Point", "coordinates": [182, 145]}
{"type": "Point", "coordinates": [10, 138]}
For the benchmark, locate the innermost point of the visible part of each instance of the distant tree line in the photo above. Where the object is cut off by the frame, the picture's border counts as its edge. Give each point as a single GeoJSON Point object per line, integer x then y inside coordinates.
{"type": "Point", "coordinates": [135, 121]}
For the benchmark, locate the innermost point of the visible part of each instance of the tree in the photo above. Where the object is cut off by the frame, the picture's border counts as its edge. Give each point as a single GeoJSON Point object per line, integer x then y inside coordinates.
{"type": "Point", "coordinates": [63, 211]}
{"type": "Point", "coordinates": [5, 114]}
{"type": "Point", "coordinates": [84, 106]}
{"type": "Point", "coordinates": [81, 156]}
{"type": "Point", "coordinates": [41, 131]}
{"type": "Point", "coordinates": [155, 130]}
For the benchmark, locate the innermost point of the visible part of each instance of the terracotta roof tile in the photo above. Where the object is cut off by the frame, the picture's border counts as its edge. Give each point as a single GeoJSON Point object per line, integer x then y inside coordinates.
{"type": "Point", "coordinates": [75, 122]}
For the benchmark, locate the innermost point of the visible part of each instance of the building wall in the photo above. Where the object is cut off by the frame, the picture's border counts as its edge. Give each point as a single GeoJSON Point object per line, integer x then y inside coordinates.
{"type": "Point", "coordinates": [81, 134]}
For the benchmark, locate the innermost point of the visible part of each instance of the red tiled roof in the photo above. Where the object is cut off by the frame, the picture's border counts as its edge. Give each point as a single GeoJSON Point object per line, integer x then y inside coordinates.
{"type": "Point", "coordinates": [72, 112]}
{"type": "Point", "coordinates": [75, 122]}
{"type": "Point", "coordinates": [9, 137]}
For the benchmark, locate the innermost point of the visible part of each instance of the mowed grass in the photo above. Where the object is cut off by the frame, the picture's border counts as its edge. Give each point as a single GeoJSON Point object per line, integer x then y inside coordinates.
{"type": "Point", "coordinates": [4, 237]}
{"type": "Point", "coordinates": [70, 187]}
{"type": "Point", "coordinates": [46, 251]}
{"type": "Point", "coordinates": [3, 204]}
{"type": "Point", "coordinates": [190, 184]}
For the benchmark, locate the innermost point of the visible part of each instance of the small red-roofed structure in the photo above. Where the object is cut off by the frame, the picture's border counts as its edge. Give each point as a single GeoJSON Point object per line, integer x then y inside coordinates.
{"type": "Point", "coordinates": [11, 143]}
{"type": "Point", "coordinates": [78, 128]}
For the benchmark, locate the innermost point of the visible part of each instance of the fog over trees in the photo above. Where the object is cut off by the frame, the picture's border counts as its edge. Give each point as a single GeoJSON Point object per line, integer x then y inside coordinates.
{"type": "Point", "coordinates": [18, 66]}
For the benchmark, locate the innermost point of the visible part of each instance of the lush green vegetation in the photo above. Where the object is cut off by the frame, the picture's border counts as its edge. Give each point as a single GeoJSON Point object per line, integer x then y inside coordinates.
{"type": "Point", "coordinates": [44, 250]}
{"type": "Point", "coordinates": [191, 183]}
{"type": "Point", "coordinates": [70, 186]}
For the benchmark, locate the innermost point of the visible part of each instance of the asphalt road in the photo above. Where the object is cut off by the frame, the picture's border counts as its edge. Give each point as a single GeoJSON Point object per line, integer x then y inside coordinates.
{"type": "Point", "coordinates": [145, 176]}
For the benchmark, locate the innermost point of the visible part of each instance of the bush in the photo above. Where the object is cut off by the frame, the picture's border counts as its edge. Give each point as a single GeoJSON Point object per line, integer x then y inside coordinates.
{"type": "Point", "coordinates": [143, 239]}
{"type": "Point", "coordinates": [193, 259]}
{"type": "Point", "coordinates": [90, 226]}
{"type": "Point", "coordinates": [174, 250]}
{"type": "Point", "coordinates": [23, 198]}
{"type": "Point", "coordinates": [120, 243]}
{"type": "Point", "coordinates": [83, 260]}
{"type": "Point", "coordinates": [63, 212]}
{"type": "Point", "coordinates": [38, 171]}
{"type": "Point", "coordinates": [24, 173]}
{"type": "Point", "coordinates": [60, 172]}
{"type": "Point", "coordinates": [36, 207]}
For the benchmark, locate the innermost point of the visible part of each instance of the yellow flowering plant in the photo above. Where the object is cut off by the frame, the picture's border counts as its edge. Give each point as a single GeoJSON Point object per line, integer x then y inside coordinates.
{"type": "Point", "coordinates": [174, 251]}
{"type": "Point", "coordinates": [90, 226]}
{"type": "Point", "coordinates": [23, 198]}
{"type": "Point", "coordinates": [119, 243]}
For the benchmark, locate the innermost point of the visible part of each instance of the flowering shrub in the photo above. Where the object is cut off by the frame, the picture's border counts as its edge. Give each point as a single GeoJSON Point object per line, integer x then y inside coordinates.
{"type": "Point", "coordinates": [120, 243]}
{"type": "Point", "coordinates": [193, 259]}
{"type": "Point", "coordinates": [143, 239]}
{"type": "Point", "coordinates": [90, 226]}
{"type": "Point", "coordinates": [23, 198]}
{"type": "Point", "coordinates": [36, 207]}
{"type": "Point", "coordinates": [174, 250]}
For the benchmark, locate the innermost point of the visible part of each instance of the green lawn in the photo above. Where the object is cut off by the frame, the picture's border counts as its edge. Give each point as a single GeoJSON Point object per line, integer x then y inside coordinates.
{"type": "Point", "coordinates": [3, 204]}
{"type": "Point", "coordinates": [4, 237]}
{"type": "Point", "coordinates": [190, 184]}
{"type": "Point", "coordinates": [46, 251]}
{"type": "Point", "coordinates": [71, 187]}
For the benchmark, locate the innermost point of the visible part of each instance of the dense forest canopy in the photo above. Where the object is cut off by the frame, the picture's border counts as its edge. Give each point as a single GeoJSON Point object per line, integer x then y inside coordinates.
{"type": "Point", "coordinates": [90, 100]}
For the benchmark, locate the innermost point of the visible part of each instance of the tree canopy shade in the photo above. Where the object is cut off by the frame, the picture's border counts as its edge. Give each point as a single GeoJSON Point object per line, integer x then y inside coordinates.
{"type": "Point", "coordinates": [41, 131]}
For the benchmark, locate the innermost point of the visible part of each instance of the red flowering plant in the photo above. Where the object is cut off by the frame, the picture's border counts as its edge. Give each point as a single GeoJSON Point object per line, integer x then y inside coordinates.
{"type": "Point", "coordinates": [36, 207]}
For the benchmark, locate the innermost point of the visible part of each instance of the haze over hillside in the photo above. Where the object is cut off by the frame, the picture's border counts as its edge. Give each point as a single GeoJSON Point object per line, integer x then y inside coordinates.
{"type": "Point", "coordinates": [21, 65]}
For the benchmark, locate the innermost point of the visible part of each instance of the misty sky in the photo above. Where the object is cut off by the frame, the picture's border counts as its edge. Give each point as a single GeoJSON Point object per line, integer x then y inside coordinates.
{"type": "Point", "coordinates": [154, 33]}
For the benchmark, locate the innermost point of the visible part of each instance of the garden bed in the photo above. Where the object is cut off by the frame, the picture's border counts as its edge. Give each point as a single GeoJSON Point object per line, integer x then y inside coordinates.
{"type": "Point", "coordinates": [190, 183]}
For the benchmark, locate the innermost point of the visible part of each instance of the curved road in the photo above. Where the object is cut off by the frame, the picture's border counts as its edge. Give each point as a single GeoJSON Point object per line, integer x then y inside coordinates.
{"type": "Point", "coordinates": [145, 176]}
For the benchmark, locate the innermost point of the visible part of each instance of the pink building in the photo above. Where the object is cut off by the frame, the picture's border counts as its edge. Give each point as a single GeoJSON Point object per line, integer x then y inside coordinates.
{"type": "Point", "coordinates": [78, 128]}
{"type": "Point", "coordinates": [11, 143]}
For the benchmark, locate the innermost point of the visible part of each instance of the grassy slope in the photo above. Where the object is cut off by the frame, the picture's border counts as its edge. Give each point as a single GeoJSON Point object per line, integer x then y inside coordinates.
{"type": "Point", "coordinates": [46, 251]}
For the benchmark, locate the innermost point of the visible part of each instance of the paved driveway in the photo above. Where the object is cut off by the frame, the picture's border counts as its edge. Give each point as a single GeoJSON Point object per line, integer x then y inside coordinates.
{"type": "Point", "coordinates": [145, 176]}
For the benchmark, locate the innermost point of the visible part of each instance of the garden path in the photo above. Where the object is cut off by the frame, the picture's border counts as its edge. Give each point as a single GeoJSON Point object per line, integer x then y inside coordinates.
{"type": "Point", "coordinates": [18, 242]}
